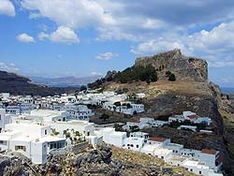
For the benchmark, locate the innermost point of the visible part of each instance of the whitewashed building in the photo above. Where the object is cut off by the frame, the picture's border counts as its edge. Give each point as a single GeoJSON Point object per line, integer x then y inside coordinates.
{"type": "Point", "coordinates": [134, 143]}
{"type": "Point", "coordinates": [4, 119]}
{"type": "Point", "coordinates": [110, 136]}
{"type": "Point", "coordinates": [32, 140]}
{"type": "Point", "coordinates": [77, 112]}
{"type": "Point", "coordinates": [191, 116]}
{"type": "Point", "coordinates": [144, 122]}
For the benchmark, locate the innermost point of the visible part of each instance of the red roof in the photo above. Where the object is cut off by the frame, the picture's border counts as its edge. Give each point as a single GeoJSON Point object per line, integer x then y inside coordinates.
{"type": "Point", "coordinates": [158, 139]}
{"type": "Point", "coordinates": [193, 116]}
{"type": "Point", "coordinates": [208, 151]}
{"type": "Point", "coordinates": [135, 121]}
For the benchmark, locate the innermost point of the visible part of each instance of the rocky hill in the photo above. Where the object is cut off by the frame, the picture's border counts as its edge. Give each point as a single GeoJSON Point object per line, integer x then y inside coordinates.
{"type": "Point", "coordinates": [15, 84]}
{"type": "Point", "coordinates": [191, 91]}
{"type": "Point", "coordinates": [103, 161]}
{"type": "Point", "coordinates": [185, 68]}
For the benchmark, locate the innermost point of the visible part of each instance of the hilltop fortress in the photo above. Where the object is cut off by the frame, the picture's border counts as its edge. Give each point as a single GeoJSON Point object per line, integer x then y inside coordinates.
{"type": "Point", "coordinates": [185, 68]}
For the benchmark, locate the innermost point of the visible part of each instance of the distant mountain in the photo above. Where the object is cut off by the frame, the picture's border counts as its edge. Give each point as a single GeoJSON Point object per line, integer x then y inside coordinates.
{"type": "Point", "coordinates": [20, 85]}
{"type": "Point", "coordinates": [69, 81]}
{"type": "Point", "coordinates": [227, 90]}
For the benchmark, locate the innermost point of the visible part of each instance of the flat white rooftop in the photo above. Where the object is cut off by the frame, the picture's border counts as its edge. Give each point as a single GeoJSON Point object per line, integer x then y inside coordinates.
{"type": "Point", "coordinates": [162, 151]}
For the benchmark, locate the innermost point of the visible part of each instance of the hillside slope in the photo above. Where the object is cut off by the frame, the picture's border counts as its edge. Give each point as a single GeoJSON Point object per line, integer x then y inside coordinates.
{"type": "Point", "coordinates": [191, 90]}
{"type": "Point", "coordinates": [15, 84]}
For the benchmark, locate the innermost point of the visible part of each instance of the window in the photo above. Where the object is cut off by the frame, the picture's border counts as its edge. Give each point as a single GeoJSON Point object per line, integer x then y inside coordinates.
{"type": "Point", "coordinates": [3, 142]}
{"type": "Point", "coordinates": [137, 146]}
{"type": "Point", "coordinates": [20, 147]}
{"type": "Point", "coordinates": [191, 170]}
{"type": "Point", "coordinates": [162, 157]}
{"type": "Point", "coordinates": [200, 172]}
{"type": "Point", "coordinates": [45, 132]}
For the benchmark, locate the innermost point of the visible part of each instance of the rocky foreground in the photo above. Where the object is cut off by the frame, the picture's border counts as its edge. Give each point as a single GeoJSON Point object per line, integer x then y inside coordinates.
{"type": "Point", "coordinates": [105, 160]}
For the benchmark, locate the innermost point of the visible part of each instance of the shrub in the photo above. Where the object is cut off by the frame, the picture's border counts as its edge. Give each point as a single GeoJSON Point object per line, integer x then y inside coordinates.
{"type": "Point", "coordinates": [171, 77]}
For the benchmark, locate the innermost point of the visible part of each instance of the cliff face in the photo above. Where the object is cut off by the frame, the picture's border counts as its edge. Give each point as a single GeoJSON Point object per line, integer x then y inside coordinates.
{"type": "Point", "coordinates": [185, 68]}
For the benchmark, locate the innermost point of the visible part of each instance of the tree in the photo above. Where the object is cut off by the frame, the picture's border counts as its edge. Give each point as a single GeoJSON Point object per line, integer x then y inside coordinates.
{"type": "Point", "coordinates": [168, 73]}
{"type": "Point", "coordinates": [104, 116]}
{"type": "Point", "coordinates": [83, 87]}
{"type": "Point", "coordinates": [134, 128]}
{"type": "Point", "coordinates": [171, 77]}
{"type": "Point", "coordinates": [117, 103]}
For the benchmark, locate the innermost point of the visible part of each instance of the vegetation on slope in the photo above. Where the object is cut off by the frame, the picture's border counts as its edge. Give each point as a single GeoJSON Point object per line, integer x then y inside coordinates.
{"type": "Point", "coordinates": [137, 73]}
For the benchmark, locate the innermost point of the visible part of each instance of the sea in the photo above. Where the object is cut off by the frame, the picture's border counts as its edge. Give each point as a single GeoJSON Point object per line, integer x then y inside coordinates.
{"type": "Point", "coordinates": [227, 90]}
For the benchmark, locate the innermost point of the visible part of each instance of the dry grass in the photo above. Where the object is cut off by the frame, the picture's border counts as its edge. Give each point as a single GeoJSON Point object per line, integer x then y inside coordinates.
{"type": "Point", "coordinates": [156, 88]}
{"type": "Point", "coordinates": [129, 156]}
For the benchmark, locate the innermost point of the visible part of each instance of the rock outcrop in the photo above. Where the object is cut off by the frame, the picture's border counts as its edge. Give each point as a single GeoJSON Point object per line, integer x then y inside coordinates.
{"type": "Point", "coordinates": [105, 160]}
{"type": "Point", "coordinates": [185, 68]}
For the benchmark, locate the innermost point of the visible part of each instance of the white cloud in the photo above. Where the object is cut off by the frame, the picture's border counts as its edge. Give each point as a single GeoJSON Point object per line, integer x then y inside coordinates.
{"type": "Point", "coordinates": [43, 36]}
{"type": "Point", "coordinates": [106, 56]}
{"type": "Point", "coordinates": [64, 35]}
{"type": "Point", "coordinates": [154, 26]}
{"type": "Point", "coordinates": [161, 44]}
{"type": "Point", "coordinates": [8, 67]}
{"type": "Point", "coordinates": [215, 46]}
{"type": "Point", "coordinates": [61, 35]}
{"type": "Point", "coordinates": [7, 8]}
{"type": "Point", "coordinates": [78, 13]}
{"type": "Point", "coordinates": [25, 38]}
{"type": "Point", "coordinates": [220, 38]}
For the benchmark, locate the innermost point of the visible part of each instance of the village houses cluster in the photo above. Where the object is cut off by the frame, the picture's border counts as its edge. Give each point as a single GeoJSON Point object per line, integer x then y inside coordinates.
{"type": "Point", "coordinates": [35, 126]}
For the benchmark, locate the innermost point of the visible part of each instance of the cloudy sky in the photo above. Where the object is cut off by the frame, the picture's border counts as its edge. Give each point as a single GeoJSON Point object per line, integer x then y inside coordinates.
{"type": "Point", "coordinates": [53, 38]}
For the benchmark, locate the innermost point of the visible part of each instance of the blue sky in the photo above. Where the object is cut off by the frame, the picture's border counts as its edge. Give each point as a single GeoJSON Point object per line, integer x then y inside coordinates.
{"type": "Point", "coordinates": [54, 38]}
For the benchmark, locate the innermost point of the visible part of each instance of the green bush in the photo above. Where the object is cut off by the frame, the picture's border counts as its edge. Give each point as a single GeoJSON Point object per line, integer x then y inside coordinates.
{"type": "Point", "coordinates": [171, 77]}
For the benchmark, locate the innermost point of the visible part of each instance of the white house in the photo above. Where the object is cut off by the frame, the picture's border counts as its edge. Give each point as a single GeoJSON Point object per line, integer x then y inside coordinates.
{"type": "Point", "coordinates": [144, 122]}
{"type": "Point", "coordinates": [187, 127]}
{"type": "Point", "coordinates": [13, 109]}
{"type": "Point", "coordinates": [139, 134]}
{"type": "Point", "coordinates": [158, 140]}
{"type": "Point", "coordinates": [176, 148]}
{"type": "Point", "coordinates": [83, 127]}
{"type": "Point", "coordinates": [149, 149]}
{"type": "Point", "coordinates": [110, 136]}
{"type": "Point", "coordinates": [163, 153]}
{"type": "Point", "coordinates": [158, 123]}
{"type": "Point", "coordinates": [134, 143]}
{"type": "Point", "coordinates": [130, 108]}
{"type": "Point", "coordinates": [213, 158]}
{"type": "Point", "coordinates": [196, 166]}
{"type": "Point", "coordinates": [4, 119]}
{"type": "Point", "coordinates": [32, 140]}
{"type": "Point", "coordinates": [77, 112]}
{"type": "Point", "coordinates": [191, 116]}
